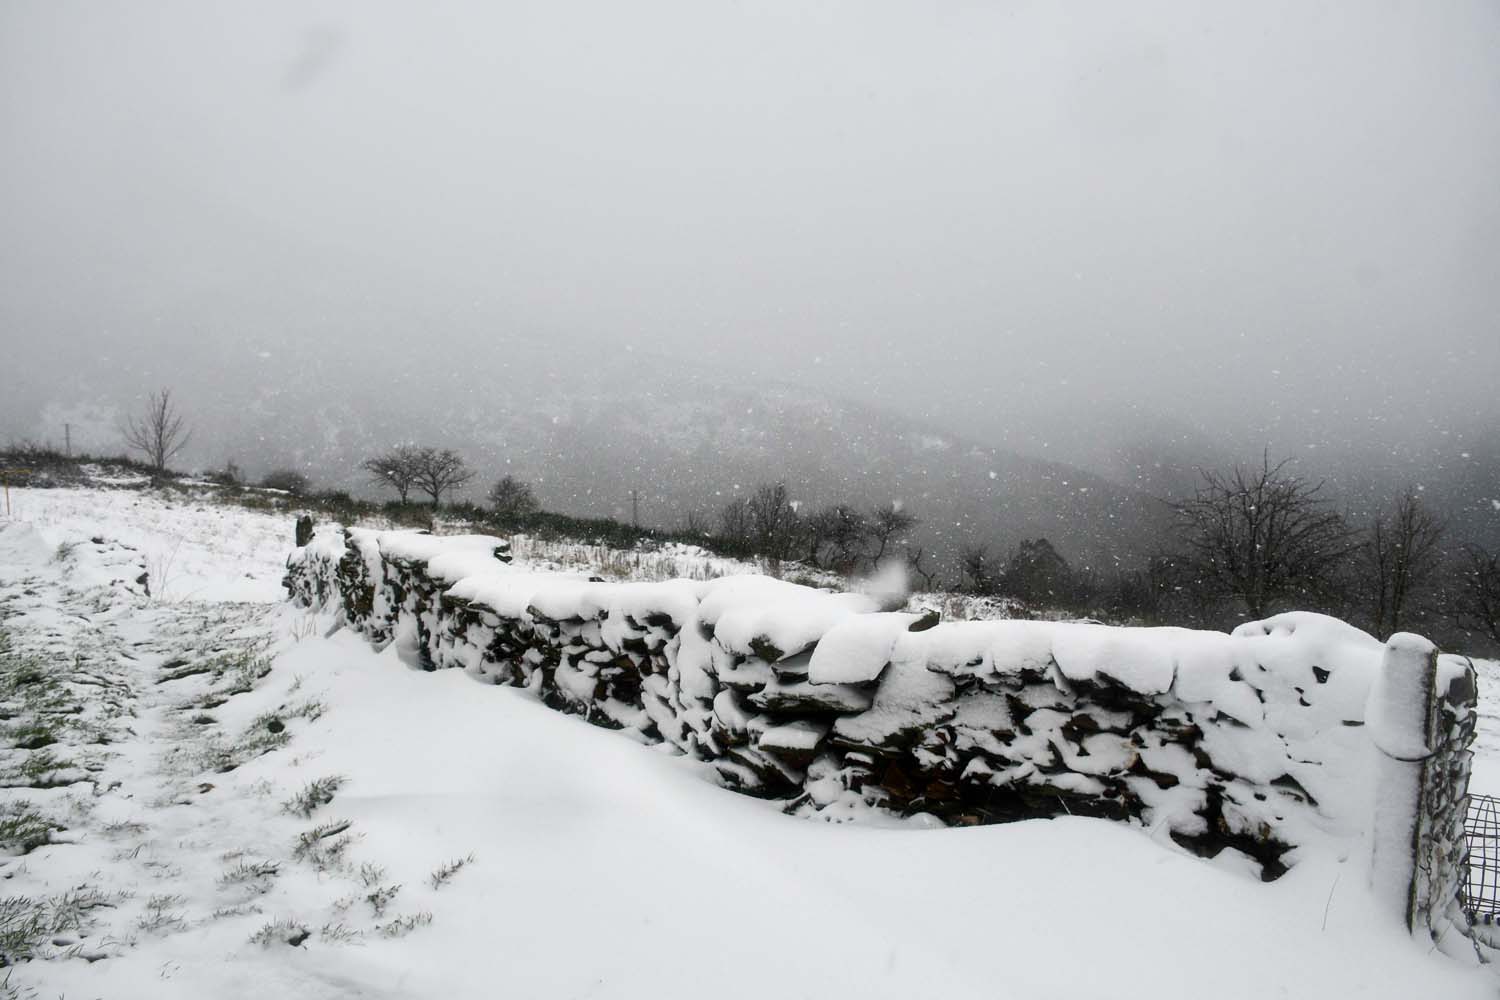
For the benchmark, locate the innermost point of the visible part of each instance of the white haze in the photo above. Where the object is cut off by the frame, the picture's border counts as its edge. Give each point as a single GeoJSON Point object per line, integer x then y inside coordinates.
{"type": "Point", "coordinates": [1071, 230]}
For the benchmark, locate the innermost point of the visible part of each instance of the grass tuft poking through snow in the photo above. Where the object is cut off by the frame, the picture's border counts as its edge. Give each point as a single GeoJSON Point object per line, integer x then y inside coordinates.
{"type": "Point", "coordinates": [380, 898]}
{"type": "Point", "coordinates": [317, 793]}
{"type": "Point", "coordinates": [161, 915]}
{"type": "Point", "coordinates": [402, 926]}
{"type": "Point", "coordinates": [444, 873]}
{"type": "Point", "coordinates": [23, 829]}
{"type": "Point", "coordinates": [239, 910]}
{"type": "Point", "coordinates": [10, 991]}
{"type": "Point", "coordinates": [250, 871]}
{"type": "Point", "coordinates": [338, 933]}
{"type": "Point", "coordinates": [27, 922]}
{"type": "Point", "coordinates": [324, 845]}
{"type": "Point", "coordinates": [283, 931]}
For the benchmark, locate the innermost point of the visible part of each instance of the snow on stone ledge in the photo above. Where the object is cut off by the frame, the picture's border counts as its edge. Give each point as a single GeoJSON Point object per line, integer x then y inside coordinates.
{"type": "Point", "coordinates": [1133, 657]}
{"type": "Point", "coordinates": [746, 612]}
{"type": "Point", "coordinates": [857, 649]}
{"type": "Point", "coordinates": [1397, 709]}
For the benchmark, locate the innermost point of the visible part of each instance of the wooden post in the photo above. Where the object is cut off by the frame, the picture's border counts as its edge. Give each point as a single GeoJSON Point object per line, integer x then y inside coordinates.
{"type": "Point", "coordinates": [5, 475]}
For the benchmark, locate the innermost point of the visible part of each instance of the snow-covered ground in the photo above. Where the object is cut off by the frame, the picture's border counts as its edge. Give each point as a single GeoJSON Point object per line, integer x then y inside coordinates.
{"type": "Point", "coordinates": [598, 867]}
{"type": "Point", "coordinates": [195, 550]}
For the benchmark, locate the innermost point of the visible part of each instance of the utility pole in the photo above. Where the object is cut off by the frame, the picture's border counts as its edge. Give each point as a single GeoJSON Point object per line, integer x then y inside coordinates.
{"type": "Point", "coordinates": [68, 438]}
{"type": "Point", "coordinates": [635, 508]}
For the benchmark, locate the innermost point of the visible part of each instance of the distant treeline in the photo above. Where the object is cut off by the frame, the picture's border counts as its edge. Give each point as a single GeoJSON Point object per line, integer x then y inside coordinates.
{"type": "Point", "coordinates": [1250, 541]}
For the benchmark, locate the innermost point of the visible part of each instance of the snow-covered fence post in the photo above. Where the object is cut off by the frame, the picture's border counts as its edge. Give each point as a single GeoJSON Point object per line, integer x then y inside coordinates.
{"type": "Point", "coordinates": [1422, 712]}
{"type": "Point", "coordinates": [1400, 714]}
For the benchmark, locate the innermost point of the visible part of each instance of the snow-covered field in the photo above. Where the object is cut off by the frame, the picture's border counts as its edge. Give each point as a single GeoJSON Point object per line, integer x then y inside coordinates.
{"type": "Point", "coordinates": [180, 862]}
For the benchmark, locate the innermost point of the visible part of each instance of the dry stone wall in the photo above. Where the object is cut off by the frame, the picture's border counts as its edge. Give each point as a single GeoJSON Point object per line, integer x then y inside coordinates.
{"type": "Point", "coordinates": [1440, 850]}
{"type": "Point", "coordinates": [1254, 741]}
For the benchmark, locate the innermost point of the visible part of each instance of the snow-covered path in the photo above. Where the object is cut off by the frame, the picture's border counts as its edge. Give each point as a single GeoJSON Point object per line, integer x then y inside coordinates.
{"type": "Point", "coordinates": [599, 867]}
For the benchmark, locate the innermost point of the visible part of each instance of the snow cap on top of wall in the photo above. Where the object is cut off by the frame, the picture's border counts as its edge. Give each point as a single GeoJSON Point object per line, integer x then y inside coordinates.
{"type": "Point", "coordinates": [449, 558]}
{"type": "Point", "coordinates": [749, 611]}
{"type": "Point", "coordinates": [857, 649]}
{"type": "Point", "coordinates": [1398, 707]}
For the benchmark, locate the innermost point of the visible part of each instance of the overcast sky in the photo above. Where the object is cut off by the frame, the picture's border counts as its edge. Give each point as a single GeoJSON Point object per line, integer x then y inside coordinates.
{"type": "Point", "coordinates": [1272, 222]}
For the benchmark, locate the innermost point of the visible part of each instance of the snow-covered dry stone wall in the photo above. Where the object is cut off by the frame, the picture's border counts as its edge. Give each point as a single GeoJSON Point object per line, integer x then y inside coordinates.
{"type": "Point", "coordinates": [1254, 741]}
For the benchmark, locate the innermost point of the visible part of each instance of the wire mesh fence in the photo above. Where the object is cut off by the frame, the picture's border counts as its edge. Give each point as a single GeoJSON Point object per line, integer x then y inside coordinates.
{"type": "Point", "coordinates": [1482, 835]}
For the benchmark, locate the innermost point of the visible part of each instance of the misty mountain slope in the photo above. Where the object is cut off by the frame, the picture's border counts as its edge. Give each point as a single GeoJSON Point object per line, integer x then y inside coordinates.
{"type": "Point", "coordinates": [590, 423]}
{"type": "Point", "coordinates": [588, 427]}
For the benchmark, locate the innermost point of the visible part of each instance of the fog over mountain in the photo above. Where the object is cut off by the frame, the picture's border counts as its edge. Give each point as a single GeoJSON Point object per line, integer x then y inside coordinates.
{"type": "Point", "coordinates": [883, 249]}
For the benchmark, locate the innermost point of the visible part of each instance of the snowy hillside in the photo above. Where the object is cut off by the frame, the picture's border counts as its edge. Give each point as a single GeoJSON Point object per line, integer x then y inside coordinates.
{"type": "Point", "coordinates": [227, 797]}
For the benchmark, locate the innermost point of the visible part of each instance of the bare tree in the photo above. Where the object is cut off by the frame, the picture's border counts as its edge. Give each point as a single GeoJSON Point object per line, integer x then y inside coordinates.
{"type": "Point", "coordinates": [887, 524]}
{"type": "Point", "coordinates": [1398, 559]}
{"type": "Point", "coordinates": [1262, 537]}
{"type": "Point", "coordinates": [697, 525]}
{"type": "Point", "coordinates": [1476, 605]}
{"type": "Point", "coordinates": [440, 472]}
{"type": "Point", "coordinates": [1037, 573]}
{"type": "Point", "coordinates": [158, 432]}
{"type": "Point", "coordinates": [980, 572]}
{"type": "Point", "coordinates": [397, 468]}
{"type": "Point", "coordinates": [914, 559]}
{"type": "Point", "coordinates": [835, 537]}
{"type": "Point", "coordinates": [819, 530]}
{"type": "Point", "coordinates": [734, 524]}
{"type": "Point", "coordinates": [774, 526]}
{"type": "Point", "coordinates": [1133, 596]}
{"type": "Point", "coordinates": [513, 499]}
